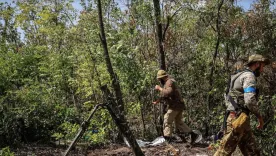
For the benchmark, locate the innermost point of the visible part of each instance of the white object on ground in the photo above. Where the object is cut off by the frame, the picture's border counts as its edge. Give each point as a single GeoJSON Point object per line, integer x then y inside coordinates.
{"type": "Point", "coordinates": [160, 140]}
{"type": "Point", "coordinates": [141, 143]}
{"type": "Point", "coordinates": [199, 138]}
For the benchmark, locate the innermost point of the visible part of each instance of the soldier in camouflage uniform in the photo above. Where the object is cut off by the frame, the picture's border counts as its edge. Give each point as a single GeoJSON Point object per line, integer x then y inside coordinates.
{"type": "Point", "coordinates": [242, 100]}
{"type": "Point", "coordinates": [171, 94]}
{"type": "Point", "coordinates": [237, 67]}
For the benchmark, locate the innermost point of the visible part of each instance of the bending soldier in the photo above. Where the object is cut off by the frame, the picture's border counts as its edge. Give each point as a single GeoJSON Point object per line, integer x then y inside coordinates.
{"type": "Point", "coordinates": [241, 100]}
{"type": "Point", "coordinates": [171, 94]}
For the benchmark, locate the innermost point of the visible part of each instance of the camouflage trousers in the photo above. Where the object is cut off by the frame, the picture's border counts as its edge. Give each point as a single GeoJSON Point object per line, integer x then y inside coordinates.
{"type": "Point", "coordinates": [242, 137]}
{"type": "Point", "coordinates": [174, 116]}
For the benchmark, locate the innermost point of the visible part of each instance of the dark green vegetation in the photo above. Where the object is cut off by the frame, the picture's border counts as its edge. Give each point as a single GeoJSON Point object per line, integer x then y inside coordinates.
{"type": "Point", "coordinates": [50, 77]}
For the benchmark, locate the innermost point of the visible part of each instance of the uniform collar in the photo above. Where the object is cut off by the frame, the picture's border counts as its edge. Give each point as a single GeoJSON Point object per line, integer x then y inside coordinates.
{"type": "Point", "coordinates": [248, 69]}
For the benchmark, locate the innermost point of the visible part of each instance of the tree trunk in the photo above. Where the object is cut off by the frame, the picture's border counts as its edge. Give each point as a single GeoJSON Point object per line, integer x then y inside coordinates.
{"type": "Point", "coordinates": [157, 14]}
{"type": "Point", "coordinates": [211, 79]}
{"type": "Point", "coordinates": [114, 78]}
{"type": "Point", "coordinates": [162, 64]}
{"type": "Point", "coordinates": [121, 122]}
{"type": "Point", "coordinates": [118, 105]}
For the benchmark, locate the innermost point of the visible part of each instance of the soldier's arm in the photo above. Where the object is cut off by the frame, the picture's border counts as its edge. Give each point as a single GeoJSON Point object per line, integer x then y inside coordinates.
{"type": "Point", "coordinates": [249, 87]}
{"type": "Point", "coordinates": [167, 90]}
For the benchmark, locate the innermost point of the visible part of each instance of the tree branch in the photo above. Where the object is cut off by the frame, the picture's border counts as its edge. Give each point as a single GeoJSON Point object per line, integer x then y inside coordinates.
{"type": "Point", "coordinates": [168, 23]}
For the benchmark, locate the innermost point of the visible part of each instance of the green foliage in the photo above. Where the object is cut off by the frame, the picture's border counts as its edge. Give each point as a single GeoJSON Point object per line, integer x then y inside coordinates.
{"type": "Point", "coordinates": [6, 152]}
{"type": "Point", "coordinates": [68, 131]}
{"type": "Point", "coordinates": [50, 76]}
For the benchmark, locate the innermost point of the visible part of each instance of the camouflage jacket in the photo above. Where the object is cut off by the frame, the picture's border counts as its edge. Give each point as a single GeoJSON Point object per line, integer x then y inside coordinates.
{"type": "Point", "coordinates": [243, 90]}
{"type": "Point", "coordinates": [171, 94]}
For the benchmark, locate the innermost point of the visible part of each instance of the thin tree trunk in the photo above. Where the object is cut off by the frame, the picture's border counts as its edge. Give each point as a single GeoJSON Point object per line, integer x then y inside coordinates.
{"type": "Point", "coordinates": [142, 115]}
{"type": "Point", "coordinates": [157, 14]}
{"type": "Point", "coordinates": [211, 79]}
{"type": "Point", "coordinates": [162, 64]}
{"type": "Point", "coordinates": [227, 58]}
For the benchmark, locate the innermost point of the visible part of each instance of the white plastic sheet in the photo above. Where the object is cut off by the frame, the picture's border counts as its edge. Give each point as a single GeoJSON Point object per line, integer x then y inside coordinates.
{"type": "Point", "coordinates": [199, 138]}
{"type": "Point", "coordinates": [160, 140]}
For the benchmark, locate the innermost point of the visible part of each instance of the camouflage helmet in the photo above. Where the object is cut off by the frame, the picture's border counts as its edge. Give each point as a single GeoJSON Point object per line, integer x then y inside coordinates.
{"type": "Point", "coordinates": [161, 74]}
{"type": "Point", "coordinates": [257, 58]}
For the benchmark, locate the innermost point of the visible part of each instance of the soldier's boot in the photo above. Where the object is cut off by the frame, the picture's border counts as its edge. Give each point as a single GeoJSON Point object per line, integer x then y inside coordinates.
{"type": "Point", "coordinates": [168, 139]}
{"type": "Point", "coordinates": [194, 136]}
{"type": "Point", "coordinates": [182, 137]}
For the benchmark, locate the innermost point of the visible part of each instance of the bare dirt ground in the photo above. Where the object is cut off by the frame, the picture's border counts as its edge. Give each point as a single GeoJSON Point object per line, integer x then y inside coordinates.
{"type": "Point", "coordinates": [179, 149]}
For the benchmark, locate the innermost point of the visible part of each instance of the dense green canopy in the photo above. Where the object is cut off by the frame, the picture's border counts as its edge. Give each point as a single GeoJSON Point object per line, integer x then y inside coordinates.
{"type": "Point", "coordinates": [52, 65]}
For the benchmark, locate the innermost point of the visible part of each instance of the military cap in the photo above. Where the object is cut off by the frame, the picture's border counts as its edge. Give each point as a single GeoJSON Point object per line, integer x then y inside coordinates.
{"type": "Point", "coordinates": [161, 74]}
{"type": "Point", "coordinates": [257, 58]}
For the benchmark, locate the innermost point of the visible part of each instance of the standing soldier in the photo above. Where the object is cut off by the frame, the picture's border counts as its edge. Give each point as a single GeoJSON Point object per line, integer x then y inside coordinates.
{"type": "Point", "coordinates": [242, 99]}
{"type": "Point", "coordinates": [237, 67]}
{"type": "Point", "coordinates": [171, 94]}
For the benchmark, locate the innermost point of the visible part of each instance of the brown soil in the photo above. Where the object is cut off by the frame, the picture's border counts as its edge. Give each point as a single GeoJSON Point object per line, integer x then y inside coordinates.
{"type": "Point", "coordinates": [179, 149]}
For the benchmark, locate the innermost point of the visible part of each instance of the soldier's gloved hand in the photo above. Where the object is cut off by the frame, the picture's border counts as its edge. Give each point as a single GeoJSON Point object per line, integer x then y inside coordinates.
{"type": "Point", "coordinates": [157, 87]}
{"type": "Point", "coordinates": [261, 122]}
{"type": "Point", "coordinates": [154, 102]}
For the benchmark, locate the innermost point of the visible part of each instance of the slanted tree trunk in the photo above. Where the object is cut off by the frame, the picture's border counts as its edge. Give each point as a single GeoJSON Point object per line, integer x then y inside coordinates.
{"type": "Point", "coordinates": [118, 104]}
{"type": "Point", "coordinates": [115, 81]}
{"type": "Point", "coordinates": [121, 122]}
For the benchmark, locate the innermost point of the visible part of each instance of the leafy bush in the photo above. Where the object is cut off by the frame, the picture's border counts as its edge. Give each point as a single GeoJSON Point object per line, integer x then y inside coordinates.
{"type": "Point", "coordinates": [6, 152]}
